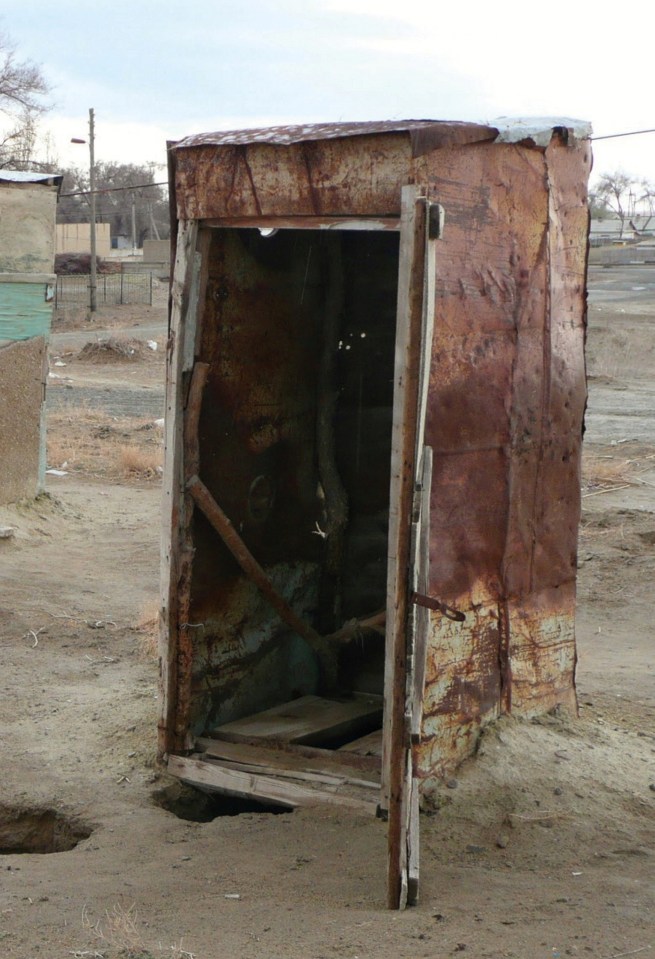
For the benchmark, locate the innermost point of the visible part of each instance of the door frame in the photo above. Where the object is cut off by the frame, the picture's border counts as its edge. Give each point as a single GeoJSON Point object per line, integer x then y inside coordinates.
{"type": "Point", "coordinates": [414, 318]}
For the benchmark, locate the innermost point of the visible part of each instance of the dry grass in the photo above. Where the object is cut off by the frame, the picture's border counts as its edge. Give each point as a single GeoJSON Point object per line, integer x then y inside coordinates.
{"type": "Point", "coordinates": [604, 471]}
{"type": "Point", "coordinates": [147, 627]}
{"type": "Point", "coordinates": [119, 929]}
{"type": "Point", "coordinates": [138, 462]}
{"type": "Point", "coordinates": [115, 349]}
{"type": "Point", "coordinates": [83, 440]}
{"type": "Point", "coordinates": [613, 469]}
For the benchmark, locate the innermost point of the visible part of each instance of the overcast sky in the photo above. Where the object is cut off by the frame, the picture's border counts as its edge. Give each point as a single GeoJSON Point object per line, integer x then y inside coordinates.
{"type": "Point", "coordinates": [160, 69]}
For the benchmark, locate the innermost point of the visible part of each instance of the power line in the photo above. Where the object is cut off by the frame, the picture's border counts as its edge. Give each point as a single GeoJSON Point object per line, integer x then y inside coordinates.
{"type": "Point", "coordinates": [143, 186]}
{"type": "Point", "coordinates": [115, 189]}
{"type": "Point", "coordinates": [613, 136]}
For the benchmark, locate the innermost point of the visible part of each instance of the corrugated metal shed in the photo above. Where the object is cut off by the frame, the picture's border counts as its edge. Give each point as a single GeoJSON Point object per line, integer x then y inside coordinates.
{"type": "Point", "coordinates": [365, 412]}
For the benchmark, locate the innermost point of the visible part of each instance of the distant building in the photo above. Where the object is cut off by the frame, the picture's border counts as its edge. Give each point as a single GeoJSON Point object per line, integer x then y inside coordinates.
{"type": "Point", "coordinates": [27, 252]}
{"type": "Point", "coordinates": [76, 238]}
{"type": "Point", "coordinates": [611, 230]}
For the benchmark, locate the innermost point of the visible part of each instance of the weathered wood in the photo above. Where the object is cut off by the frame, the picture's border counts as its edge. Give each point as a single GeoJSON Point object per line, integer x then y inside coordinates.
{"type": "Point", "coordinates": [351, 628]}
{"type": "Point", "coordinates": [369, 745]}
{"type": "Point", "coordinates": [413, 836]}
{"type": "Point", "coordinates": [294, 775]}
{"type": "Point", "coordinates": [181, 325]}
{"type": "Point", "coordinates": [192, 417]}
{"type": "Point", "coordinates": [309, 719]}
{"type": "Point", "coordinates": [409, 328]}
{"type": "Point", "coordinates": [221, 523]}
{"type": "Point", "coordinates": [370, 224]}
{"type": "Point", "coordinates": [214, 778]}
{"type": "Point", "coordinates": [366, 765]}
{"type": "Point", "coordinates": [278, 760]}
{"type": "Point", "coordinates": [421, 614]}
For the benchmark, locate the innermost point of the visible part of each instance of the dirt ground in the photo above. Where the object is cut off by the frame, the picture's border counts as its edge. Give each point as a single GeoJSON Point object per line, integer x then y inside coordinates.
{"type": "Point", "coordinates": [543, 845]}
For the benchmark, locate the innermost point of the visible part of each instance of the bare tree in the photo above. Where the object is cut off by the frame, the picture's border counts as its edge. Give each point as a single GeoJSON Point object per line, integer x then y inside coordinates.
{"type": "Point", "coordinates": [613, 190]}
{"type": "Point", "coordinates": [125, 199]}
{"type": "Point", "coordinates": [22, 89]}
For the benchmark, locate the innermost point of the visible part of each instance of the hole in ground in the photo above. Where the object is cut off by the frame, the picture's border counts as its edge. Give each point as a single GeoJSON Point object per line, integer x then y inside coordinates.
{"type": "Point", "coordinates": [194, 805]}
{"type": "Point", "coordinates": [38, 829]}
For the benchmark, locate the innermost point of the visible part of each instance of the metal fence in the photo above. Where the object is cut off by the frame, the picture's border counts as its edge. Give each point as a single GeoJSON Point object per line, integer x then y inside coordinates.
{"type": "Point", "coordinates": [112, 289]}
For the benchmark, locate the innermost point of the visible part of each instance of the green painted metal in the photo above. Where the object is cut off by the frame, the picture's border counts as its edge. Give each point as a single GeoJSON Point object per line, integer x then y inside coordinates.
{"type": "Point", "coordinates": [24, 310]}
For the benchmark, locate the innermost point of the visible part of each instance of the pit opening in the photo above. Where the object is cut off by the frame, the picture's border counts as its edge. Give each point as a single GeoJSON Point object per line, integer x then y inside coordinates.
{"type": "Point", "coordinates": [194, 805]}
{"type": "Point", "coordinates": [38, 830]}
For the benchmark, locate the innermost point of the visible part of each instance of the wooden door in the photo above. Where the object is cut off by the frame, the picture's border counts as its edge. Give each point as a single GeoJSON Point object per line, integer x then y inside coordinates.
{"type": "Point", "coordinates": [408, 541]}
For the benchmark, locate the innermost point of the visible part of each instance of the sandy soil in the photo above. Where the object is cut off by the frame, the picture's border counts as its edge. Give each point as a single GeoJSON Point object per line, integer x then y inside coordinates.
{"type": "Point", "coordinates": [542, 847]}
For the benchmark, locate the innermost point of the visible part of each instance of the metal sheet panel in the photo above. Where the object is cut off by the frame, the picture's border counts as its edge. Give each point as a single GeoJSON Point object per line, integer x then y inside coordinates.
{"type": "Point", "coordinates": [25, 309]}
{"type": "Point", "coordinates": [317, 178]}
{"type": "Point", "coordinates": [505, 420]}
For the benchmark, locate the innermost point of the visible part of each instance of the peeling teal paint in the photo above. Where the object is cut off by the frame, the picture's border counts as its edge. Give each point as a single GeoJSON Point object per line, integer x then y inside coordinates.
{"type": "Point", "coordinates": [24, 310]}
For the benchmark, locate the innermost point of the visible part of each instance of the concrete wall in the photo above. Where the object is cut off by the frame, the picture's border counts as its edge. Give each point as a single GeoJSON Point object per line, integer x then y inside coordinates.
{"type": "Point", "coordinates": [27, 249]}
{"type": "Point", "coordinates": [27, 228]}
{"type": "Point", "coordinates": [156, 251]}
{"type": "Point", "coordinates": [76, 238]}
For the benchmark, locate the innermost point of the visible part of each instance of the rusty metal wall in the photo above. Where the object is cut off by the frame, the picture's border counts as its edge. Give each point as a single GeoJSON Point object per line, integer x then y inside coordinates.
{"type": "Point", "coordinates": [507, 396]}
{"type": "Point", "coordinates": [360, 176]}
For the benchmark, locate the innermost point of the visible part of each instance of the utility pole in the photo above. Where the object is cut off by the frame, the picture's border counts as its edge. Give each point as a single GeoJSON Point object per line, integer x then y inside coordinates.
{"type": "Point", "coordinates": [92, 186]}
{"type": "Point", "coordinates": [133, 225]}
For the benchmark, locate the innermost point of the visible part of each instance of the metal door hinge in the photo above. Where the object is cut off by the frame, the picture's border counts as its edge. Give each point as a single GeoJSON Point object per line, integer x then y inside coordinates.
{"type": "Point", "coordinates": [436, 220]}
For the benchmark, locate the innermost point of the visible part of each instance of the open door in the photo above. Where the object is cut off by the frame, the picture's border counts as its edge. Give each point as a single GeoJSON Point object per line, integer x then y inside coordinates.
{"type": "Point", "coordinates": [407, 622]}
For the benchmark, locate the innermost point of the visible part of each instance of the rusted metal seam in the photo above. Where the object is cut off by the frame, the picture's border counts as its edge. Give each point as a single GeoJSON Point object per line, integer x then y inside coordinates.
{"type": "Point", "coordinates": [235, 164]}
{"type": "Point", "coordinates": [546, 370]}
{"type": "Point", "coordinates": [255, 197]}
{"type": "Point", "coordinates": [310, 182]}
{"type": "Point", "coordinates": [504, 670]}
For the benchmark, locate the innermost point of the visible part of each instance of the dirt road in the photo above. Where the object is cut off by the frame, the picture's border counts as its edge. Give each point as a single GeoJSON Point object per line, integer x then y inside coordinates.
{"type": "Point", "coordinates": [542, 848]}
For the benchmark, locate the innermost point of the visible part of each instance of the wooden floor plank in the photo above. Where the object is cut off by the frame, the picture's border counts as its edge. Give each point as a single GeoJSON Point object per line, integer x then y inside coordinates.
{"type": "Point", "coordinates": [309, 719]}
{"type": "Point", "coordinates": [276, 759]}
{"type": "Point", "coordinates": [368, 767]}
{"type": "Point", "coordinates": [215, 778]}
{"type": "Point", "coordinates": [369, 745]}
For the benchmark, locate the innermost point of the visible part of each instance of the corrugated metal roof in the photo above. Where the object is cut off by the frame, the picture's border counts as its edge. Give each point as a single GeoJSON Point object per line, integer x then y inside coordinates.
{"type": "Point", "coordinates": [425, 134]}
{"type": "Point", "coordinates": [27, 176]}
{"type": "Point", "coordinates": [285, 135]}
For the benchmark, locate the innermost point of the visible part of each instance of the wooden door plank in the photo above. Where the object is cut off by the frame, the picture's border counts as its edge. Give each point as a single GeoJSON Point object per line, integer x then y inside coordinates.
{"type": "Point", "coordinates": [272, 758]}
{"type": "Point", "coordinates": [182, 330]}
{"type": "Point", "coordinates": [309, 719]}
{"type": "Point", "coordinates": [421, 613]}
{"type": "Point", "coordinates": [413, 843]}
{"type": "Point", "coordinates": [247, 785]}
{"type": "Point", "coordinates": [405, 427]}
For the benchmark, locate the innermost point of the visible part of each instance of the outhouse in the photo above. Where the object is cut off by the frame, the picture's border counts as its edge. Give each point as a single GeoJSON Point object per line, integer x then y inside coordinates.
{"type": "Point", "coordinates": [375, 399]}
{"type": "Point", "coordinates": [27, 254]}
